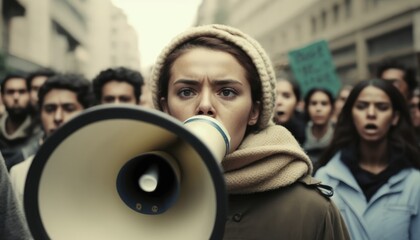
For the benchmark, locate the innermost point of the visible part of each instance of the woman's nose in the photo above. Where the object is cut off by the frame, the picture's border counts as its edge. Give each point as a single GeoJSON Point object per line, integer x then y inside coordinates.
{"type": "Point", "coordinates": [279, 102]}
{"type": "Point", "coordinates": [205, 106]}
{"type": "Point", "coordinates": [371, 111]}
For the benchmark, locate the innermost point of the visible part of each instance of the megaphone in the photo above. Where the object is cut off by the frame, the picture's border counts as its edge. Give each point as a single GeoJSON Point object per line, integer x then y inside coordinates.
{"type": "Point", "coordinates": [124, 172]}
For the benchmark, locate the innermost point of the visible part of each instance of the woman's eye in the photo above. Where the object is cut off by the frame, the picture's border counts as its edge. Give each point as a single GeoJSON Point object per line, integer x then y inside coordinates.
{"type": "Point", "coordinates": [361, 105]}
{"type": "Point", "coordinates": [383, 106]}
{"type": "Point", "coordinates": [227, 93]}
{"type": "Point", "coordinates": [287, 95]}
{"type": "Point", "coordinates": [185, 93]}
{"type": "Point", "coordinates": [325, 103]}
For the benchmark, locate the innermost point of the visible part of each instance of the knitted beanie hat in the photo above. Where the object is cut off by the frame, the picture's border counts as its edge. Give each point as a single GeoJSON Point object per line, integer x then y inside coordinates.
{"type": "Point", "coordinates": [251, 47]}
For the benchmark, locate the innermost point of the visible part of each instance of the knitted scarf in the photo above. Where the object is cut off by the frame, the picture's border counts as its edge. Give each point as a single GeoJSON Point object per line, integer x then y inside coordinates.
{"type": "Point", "coordinates": [267, 160]}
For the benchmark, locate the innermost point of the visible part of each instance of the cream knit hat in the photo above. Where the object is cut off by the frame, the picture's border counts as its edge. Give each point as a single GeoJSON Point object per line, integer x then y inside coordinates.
{"type": "Point", "coordinates": [243, 41]}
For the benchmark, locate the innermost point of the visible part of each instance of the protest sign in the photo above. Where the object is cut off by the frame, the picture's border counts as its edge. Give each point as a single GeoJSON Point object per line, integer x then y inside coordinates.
{"type": "Point", "coordinates": [312, 67]}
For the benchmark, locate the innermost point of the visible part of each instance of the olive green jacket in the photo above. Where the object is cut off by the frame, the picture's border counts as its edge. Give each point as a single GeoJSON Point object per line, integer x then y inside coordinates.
{"type": "Point", "coordinates": [299, 211]}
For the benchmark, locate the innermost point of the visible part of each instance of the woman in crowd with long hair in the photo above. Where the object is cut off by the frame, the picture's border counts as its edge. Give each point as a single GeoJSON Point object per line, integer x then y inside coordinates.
{"type": "Point", "coordinates": [373, 164]}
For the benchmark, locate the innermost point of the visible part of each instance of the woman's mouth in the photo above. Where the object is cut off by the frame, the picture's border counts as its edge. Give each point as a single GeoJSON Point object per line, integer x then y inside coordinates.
{"type": "Point", "coordinates": [280, 113]}
{"type": "Point", "coordinates": [371, 126]}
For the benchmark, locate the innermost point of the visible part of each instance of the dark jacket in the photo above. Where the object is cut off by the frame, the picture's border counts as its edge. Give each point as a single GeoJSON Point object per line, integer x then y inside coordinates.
{"type": "Point", "coordinates": [13, 225]}
{"type": "Point", "coordinates": [310, 214]}
{"type": "Point", "coordinates": [296, 125]}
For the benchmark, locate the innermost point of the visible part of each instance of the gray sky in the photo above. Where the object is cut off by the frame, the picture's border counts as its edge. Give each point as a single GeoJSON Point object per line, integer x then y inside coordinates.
{"type": "Point", "coordinates": [156, 22]}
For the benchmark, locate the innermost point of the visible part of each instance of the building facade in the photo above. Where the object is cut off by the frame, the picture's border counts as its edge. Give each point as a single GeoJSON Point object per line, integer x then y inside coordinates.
{"type": "Point", "coordinates": [360, 33]}
{"type": "Point", "coordinates": [112, 41]}
{"type": "Point", "coordinates": [81, 36]}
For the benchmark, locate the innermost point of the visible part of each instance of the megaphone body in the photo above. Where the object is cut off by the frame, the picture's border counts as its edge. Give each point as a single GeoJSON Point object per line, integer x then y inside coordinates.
{"type": "Point", "coordinates": [118, 172]}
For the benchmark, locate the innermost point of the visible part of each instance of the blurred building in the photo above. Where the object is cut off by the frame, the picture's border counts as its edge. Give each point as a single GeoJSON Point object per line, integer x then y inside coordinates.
{"type": "Point", "coordinates": [360, 33]}
{"type": "Point", "coordinates": [66, 35]}
{"type": "Point", "coordinates": [113, 42]}
{"type": "Point", "coordinates": [48, 33]}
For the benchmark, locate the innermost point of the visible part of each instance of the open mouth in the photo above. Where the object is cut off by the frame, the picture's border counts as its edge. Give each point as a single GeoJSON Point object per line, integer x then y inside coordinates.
{"type": "Point", "coordinates": [371, 126]}
{"type": "Point", "coordinates": [280, 113]}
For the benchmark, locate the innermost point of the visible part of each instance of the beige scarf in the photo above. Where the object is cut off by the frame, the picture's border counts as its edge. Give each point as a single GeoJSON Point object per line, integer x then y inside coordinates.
{"type": "Point", "coordinates": [265, 161]}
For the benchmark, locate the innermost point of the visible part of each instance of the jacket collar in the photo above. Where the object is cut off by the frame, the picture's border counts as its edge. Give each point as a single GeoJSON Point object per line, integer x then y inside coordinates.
{"type": "Point", "coordinates": [339, 171]}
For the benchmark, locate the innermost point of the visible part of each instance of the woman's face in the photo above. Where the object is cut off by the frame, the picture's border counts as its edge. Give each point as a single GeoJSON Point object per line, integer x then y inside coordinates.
{"type": "Point", "coordinates": [285, 102]}
{"type": "Point", "coordinates": [212, 83]}
{"type": "Point", "coordinates": [320, 108]}
{"type": "Point", "coordinates": [373, 114]}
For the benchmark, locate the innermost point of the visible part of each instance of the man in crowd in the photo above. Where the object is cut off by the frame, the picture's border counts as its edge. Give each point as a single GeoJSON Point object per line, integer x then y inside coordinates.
{"type": "Point", "coordinates": [34, 82]}
{"type": "Point", "coordinates": [118, 86]}
{"type": "Point", "coordinates": [61, 97]}
{"type": "Point", "coordinates": [15, 124]}
{"type": "Point", "coordinates": [402, 77]}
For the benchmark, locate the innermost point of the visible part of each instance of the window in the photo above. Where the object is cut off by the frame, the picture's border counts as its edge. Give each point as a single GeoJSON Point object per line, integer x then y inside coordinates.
{"type": "Point", "coordinates": [398, 39]}
{"type": "Point", "coordinates": [323, 19]}
{"type": "Point", "coordinates": [344, 53]}
{"type": "Point", "coordinates": [313, 24]}
{"type": "Point", "coordinates": [336, 13]}
{"type": "Point", "coordinates": [347, 7]}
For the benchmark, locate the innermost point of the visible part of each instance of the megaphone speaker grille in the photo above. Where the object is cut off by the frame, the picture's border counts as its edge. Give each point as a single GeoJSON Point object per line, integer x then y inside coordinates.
{"type": "Point", "coordinates": [156, 200]}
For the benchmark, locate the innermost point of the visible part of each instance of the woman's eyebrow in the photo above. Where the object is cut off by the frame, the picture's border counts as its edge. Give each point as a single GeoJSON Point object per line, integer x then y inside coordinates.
{"type": "Point", "coordinates": [226, 81]}
{"type": "Point", "coordinates": [186, 81]}
{"type": "Point", "coordinates": [372, 101]}
{"type": "Point", "coordinates": [214, 81]}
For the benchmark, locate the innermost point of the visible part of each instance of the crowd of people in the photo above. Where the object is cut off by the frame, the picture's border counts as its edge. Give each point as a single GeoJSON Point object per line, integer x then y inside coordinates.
{"type": "Point", "coordinates": [322, 165]}
{"type": "Point", "coordinates": [365, 145]}
{"type": "Point", "coordinates": [35, 106]}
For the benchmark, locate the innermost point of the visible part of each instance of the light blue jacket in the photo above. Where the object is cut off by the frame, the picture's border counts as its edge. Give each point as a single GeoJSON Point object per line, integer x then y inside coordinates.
{"type": "Point", "coordinates": [392, 213]}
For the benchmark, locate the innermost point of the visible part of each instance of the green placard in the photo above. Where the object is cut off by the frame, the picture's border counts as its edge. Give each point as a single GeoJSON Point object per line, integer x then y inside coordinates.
{"type": "Point", "coordinates": [312, 67]}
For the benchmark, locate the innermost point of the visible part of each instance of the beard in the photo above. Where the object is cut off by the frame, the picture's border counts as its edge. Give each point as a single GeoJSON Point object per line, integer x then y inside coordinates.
{"type": "Point", "coordinates": [17, 113]}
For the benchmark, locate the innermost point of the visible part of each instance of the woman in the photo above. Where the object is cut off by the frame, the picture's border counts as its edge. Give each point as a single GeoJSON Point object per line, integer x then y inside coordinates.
{"type": "Point", "coordinates": [285, 114]}
{"type": "Point", "coordinates": [373, 164]}
{"type": "Point", "coordinates": [220, 72]}
{"type": "Point", "coordinates": [319, 128]}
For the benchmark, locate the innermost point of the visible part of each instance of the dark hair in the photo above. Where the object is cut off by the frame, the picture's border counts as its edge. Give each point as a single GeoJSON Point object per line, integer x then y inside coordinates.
{"type": "Point", "coordinates": [401, 136]}
{"type": "Point", "coordinates": [213, 43]}
{"type": "Point", "coordinates": [10, 76]}
{"type": "Point", "coordinates": [72, 82]}
{"type": "Point", "coordinates": [42, 72]}
{"type": "Point", "coordinates": [409, 73]}
{"type": "Point", "coordinates": [120, 74]}
{"type": "Point", "coordinates": [308, 99]}
{"type": "Point", "coordinates": [295, 87]}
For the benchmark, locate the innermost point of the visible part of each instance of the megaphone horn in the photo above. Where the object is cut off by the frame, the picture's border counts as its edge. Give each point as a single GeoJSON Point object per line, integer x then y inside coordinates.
{"type": "Point", "coordinates": [124, 172]}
